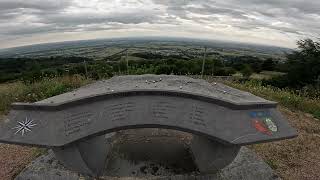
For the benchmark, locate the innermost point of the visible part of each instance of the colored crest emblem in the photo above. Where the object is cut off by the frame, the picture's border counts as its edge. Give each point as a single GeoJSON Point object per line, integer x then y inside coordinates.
{"type": "Point", "coordinates": [261, 127]}
{"type": "Point", "coordinates": [270, 124]}
{"type": "Point", "coordinates": [263, 123]}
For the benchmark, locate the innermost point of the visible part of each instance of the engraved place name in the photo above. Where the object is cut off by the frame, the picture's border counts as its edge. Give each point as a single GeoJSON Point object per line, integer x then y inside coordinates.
{"type": "Point", "coordinates": [118, 111]}
{"type": "Point", "coordinates": [196, 116]}
{"type": "Point", "coordinates": [76, 122]}
{"type": "Point", "coordinates": [162, 110]}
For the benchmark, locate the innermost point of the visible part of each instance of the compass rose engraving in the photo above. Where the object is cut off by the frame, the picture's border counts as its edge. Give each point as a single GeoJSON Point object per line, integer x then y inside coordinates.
{"type": "Point", "coordinates": [24, 126]}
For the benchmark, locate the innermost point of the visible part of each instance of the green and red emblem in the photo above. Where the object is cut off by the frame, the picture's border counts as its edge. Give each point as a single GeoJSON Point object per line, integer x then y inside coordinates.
{"type": "Point", "coordinates": [263, 123]}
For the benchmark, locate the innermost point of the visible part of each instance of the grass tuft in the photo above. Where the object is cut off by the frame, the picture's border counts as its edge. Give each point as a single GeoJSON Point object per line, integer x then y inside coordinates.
{"type": "Point", "coordinates": [284, 97]}
{"type": "Point", "coordinates": [21, 92]}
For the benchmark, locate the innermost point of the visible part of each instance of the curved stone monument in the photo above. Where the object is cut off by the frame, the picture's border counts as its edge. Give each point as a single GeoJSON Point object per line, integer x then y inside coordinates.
{"type": "Point", "coordinates": [74, 124]}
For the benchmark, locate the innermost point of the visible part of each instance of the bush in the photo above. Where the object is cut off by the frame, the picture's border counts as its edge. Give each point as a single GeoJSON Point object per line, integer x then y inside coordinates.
{"type": "Point", "coordinates": [304, 64]}
{"type": "Point", "coordinates": [31, 92]}
{"type": "Point", "coordinates": [246, 71]}
{"type": "Point", "coordinates": [277, 81]}
{"type": "Point", "coordinates": [285, 97]}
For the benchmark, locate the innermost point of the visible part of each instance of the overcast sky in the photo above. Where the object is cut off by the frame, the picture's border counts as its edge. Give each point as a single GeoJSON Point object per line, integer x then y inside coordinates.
{"type": "Point", "coordinates": [272, 22]}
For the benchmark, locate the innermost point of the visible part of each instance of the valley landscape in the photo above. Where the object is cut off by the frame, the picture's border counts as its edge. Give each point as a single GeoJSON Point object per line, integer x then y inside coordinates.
{"type": "Point", "coordinates": [154, 55]}
{"type": "Point", "coordinates": [270, 49]}
{"type": "Point", "coordinates": [33, 73]}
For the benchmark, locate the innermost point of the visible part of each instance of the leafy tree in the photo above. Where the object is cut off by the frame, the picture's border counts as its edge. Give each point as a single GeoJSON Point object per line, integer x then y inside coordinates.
{"type": "Point", "coordinates": [33, 72]}
{"type": "Point", "coordinates": [165, 69]}
{"type": "Point", "coordinates": [77, 69]}
{"type": "Point", "coordinates": [268, 64]}
{"type": "Point", "coordinates": [246, 71]}
{"type": "Point", "coordinates": [304, 64]}
{"type": "Point", "coordinates": [100, 69]}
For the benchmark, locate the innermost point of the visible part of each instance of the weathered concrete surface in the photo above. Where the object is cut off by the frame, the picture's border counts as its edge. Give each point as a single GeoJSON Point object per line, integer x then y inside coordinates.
{"type": "Point", "coordinates": [73, 124]}
{"type": "Point", "coordinates": [153, 154]}
{"type": "Point", "coordinates": [182, 84]}
{"type": "Point", "coordinates": [148, 101]}
{"type": "Point", "coordinates": [247, 166]}
{"type": "Point", "coordinates": [211, 156]}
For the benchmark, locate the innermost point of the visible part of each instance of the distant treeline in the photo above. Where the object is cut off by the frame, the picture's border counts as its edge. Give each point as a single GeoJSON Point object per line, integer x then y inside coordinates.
{"type": "Point", "coordinates": [31, 69]}
{"type": "Point", "coordinates": [301, 69]}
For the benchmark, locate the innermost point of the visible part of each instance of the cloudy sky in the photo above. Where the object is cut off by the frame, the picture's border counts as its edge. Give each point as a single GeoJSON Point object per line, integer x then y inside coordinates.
{"type": "Point", "coordinates": [272, 22]}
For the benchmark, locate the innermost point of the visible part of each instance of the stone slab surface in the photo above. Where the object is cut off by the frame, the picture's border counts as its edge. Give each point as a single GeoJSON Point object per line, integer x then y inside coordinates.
{"type": "Point", "coordinates": [160, 82]}
{"type": "Point", "coordinates": [164, 105]}
{"type": "Point", "coordinates": [218, 123]}
{"type": "Point", "coordinates": [185, 112]}
{"type": "Point", "coordinates": [246, 166]}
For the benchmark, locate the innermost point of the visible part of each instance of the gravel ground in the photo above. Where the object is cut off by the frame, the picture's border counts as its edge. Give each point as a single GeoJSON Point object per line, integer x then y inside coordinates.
{"type": "Point", "coordinates": [299, 158]}
{"type": "Point", "coordinates": [13, 159]}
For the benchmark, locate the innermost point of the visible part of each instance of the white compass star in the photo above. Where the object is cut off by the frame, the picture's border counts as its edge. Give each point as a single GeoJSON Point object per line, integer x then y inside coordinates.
{"type": "Point", "coordinates": [24, 126]}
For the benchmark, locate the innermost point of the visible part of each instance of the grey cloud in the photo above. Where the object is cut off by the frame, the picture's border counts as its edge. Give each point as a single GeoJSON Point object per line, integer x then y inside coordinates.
{"type": "Point", "coordinates": [7, 15]}
{"type": "Point", "coordinates": [295, 12]}
{"type": "Point", "coordinates": [125, 18]}
{"type": "Point", "coordinates": [10, 10]}
{"type": "Point", "coordinates": [309, 7]}
{"type": "Point", "coordinates": [22, 17]}
{"type": "Point", "coordinates": [22, 29]}
{"type": "Point", "coordinates": [25, 30]}
{"type": "Point", "coordinates": [53, 19]}
{"type": "Point", "coordinates": [34, 4]}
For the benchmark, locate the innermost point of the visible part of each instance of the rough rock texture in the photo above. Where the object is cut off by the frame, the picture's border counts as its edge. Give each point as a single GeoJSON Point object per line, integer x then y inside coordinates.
{"type": "Point", "coordinates": [246, 166]}
{"type": "Point", "coordinates": [160, 82]}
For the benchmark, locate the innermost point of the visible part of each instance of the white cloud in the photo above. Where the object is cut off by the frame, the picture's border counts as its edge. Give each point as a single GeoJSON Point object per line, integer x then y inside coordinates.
{"type": "Point", "coordinates": [270, 22]}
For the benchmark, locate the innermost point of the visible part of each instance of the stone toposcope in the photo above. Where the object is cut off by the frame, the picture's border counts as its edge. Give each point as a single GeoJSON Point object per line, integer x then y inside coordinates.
{"type": "Point", "coordinates": [221, 119]}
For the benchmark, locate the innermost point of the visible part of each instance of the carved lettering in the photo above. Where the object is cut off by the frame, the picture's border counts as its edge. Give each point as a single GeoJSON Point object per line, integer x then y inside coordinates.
{"type": "Point", "coordinates": [118, 111]}
{"type": "Point", "coordinates": [161, 110]}
{"type": "Point", "coordinates": [76, 122]}
{"type": "Point", "coordinates": [197, 115]}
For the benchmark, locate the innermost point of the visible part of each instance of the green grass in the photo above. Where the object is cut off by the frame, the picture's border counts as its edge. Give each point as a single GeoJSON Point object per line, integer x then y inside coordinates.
{"type": "Point", "coordinates": [284, 97]}
{"type": "Point", "coordinates": [21, 92]}
{"type": "Point", "coordinates": [266, 75]}
{"type": "Point", "coordinates": [36, 152]}
{"type": "Point", "coordinates": [272, 163]}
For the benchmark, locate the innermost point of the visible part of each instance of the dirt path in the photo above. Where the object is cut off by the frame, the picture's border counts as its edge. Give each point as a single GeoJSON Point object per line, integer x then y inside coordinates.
{"type": "Point", "coordinates": [299, 158]}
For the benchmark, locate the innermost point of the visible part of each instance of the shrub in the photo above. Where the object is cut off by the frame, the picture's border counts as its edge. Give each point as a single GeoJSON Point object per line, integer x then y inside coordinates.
{"type": "Point", "coordinates": [31, 92]}
{"type": "Point", "coordinates": [246, 71]}
{"type": "Point", "coordinates": [285, 97]}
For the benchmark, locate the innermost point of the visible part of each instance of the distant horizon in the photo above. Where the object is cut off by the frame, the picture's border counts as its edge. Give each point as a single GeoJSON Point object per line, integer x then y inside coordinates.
{"type": "Point", "coordinates": [146, 38]}
{"type": "Point", "coordinates": [271, 23]}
